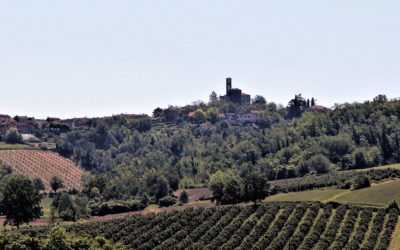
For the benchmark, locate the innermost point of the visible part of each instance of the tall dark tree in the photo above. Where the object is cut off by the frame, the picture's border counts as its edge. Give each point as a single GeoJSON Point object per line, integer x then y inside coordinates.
{"type": "Point", "coordinates": [213, 97]}
{"type": "Point", "coordinates": [297, 106]}
{"type": "Point", "coordinates": [38, 184]}
{"type": "Point", "coordinates": [380, 98]}
{"type": "Point", "coordinates": [56, 183]}
{"type": "Point", "coordinates": [385, 144]}
{"type": "Point", "coordinates": [313, 102]}
{"type": "Point", "coordinates": [184, 197]}
{"type": "Point", "coordinates": [256, 187]}
{"type": "Point", "coordinates": [13, 136]}
{"type": "Point", "coordinates": [20, 200]}
{"type": "Point", "coordinates": [158, 112]}
{"type": "Point", "coordinates": [259, 99]}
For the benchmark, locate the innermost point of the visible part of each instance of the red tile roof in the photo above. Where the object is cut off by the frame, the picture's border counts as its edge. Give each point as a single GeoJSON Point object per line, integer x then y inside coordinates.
{"type": "Point", "coordinates": [191, 114]}
{"type": "Point", "coordinates": [221, 115]}
{"type": "Point", "coordinates": [318, 107]}
{"type": "Point", "coordinates": [255, 111]}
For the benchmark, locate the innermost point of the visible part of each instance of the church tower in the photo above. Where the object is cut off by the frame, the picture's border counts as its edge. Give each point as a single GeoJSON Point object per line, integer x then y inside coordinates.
{"type": "Point", "coordinates": [228, 85]}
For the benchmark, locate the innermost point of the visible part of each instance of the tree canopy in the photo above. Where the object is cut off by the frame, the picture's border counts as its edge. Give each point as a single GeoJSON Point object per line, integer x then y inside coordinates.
{"type": "Point", "coordinates": [20, 200]}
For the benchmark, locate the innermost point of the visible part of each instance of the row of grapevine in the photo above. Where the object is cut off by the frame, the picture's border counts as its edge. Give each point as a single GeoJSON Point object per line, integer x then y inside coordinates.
{"type": "Point", "coordinates": [228, 231]}
{"type": "Point", "coordinates": [375, 231]}
{"type": "Point", "coordinates": [295, 241]}
{"type": "Point", "coordinates": [43, 164]}
{"type": "Point", "coordinates": [288, 226]}
{"type": "Point", "coordinates": [274, 230]}
{"type": "Point", "coordinates": [333, 228]}
{"type": "Point", "coordinates": [362, 228]}
{"type": "Point", "coordinates": [288, 230]}
{"type": "Point", "coordinates": [247, 226]}
{"type": "Point", "coordinates": [346, 229]}
{"type": "Point", "coordinates": [261, 228]}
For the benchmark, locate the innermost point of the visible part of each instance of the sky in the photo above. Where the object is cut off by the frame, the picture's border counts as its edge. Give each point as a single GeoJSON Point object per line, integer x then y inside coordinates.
{"type": "Point", "coordinates": [97, 58]}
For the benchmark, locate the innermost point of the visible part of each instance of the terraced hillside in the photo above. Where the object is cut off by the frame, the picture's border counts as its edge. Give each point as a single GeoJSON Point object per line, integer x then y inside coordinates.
{"type": "Point", "coordinates": [43, 164]}
{"type": "Point", "coordinates": [306, 225]}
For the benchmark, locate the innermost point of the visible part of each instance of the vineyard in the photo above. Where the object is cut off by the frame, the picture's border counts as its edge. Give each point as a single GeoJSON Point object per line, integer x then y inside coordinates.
{"type": "Point", "coordinates": [43, 164]}
{"type": "Point", "coordinates": [305, 225]}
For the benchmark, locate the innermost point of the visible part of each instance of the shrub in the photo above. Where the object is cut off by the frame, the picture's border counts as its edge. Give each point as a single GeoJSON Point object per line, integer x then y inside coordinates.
{"type": "Point", "coordinates": [167, 201]}
{"type": "Point", "coordinates": [115, 207]}
{"type": "Point", "coordinates": [12, 136]}
{"type": "Point", "coordinates": [361, 181]}
{"type": "Point", "coordinates": [184, 197]}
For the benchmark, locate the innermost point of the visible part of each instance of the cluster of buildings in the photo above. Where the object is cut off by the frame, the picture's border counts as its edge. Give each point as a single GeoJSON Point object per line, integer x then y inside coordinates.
{"type": "Point", "coordinates": [241, 118]}
{"type": "Point", "coordinates": [29, 125]}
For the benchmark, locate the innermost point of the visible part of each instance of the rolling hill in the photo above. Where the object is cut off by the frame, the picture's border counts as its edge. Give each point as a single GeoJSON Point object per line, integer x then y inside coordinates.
{"type": "Point", "coordinates": [43, 164]}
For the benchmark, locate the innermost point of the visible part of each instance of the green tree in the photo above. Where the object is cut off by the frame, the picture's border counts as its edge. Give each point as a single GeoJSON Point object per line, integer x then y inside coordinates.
{"type": "Point", "coordinates": [56, 183]}
{"type": "Point", "coordinates": [184, 197]}
{"type": "Point", "coordinates": [232, 191]}
{"type": "Point", "coordinates": [38, 184]}
{"type": "Point", "coordinates": [13, 136]}
{"type": "Point", "coordinates": [212, 115]}
{"type": "Point", "coordinates": [216, 184]}
{"type": "Point", "coordinates": [65, 207]}
{"type": "Point", "coordinates": [20, 200]}
{"type": "Point", "coordinates": [199, 116]}
{"type": "Point", "coordinates": [256, 187]}
{"type": "Point", "coordinates": [319, 163]}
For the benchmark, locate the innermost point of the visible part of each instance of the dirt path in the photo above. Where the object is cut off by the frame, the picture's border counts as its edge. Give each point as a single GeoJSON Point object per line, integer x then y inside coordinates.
{"type": "Point", "coordinates": [384, 182]}
{"type": "Point", "coordinates": [395, 243]}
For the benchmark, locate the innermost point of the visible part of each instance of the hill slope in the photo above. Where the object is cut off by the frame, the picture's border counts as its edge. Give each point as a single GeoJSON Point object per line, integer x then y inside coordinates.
{"type": "Point", "coordinates": [43, 164]}
{"type": "Point", "coordinates": [305, 225]}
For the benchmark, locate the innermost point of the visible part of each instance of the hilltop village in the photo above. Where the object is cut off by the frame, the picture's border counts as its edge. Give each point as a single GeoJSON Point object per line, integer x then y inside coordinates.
{"type": "Point", "coordinates": [240, 110]}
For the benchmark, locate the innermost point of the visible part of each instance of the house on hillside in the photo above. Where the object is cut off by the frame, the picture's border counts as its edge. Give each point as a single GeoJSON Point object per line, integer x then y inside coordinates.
{"type": "Point", "coordinates": [251, 116]}
{"type": "Point", "coordinates": [235, 95]}
{"type": "Point", "coordinates": [6, 122]}
{"type": "Point", "coordinates": [191, 117]}
{"type": "Point", "coordinates": [318, 109]}
{"type": "Point", "coordinates": [156, 120]}
{"type": "Point", "coordinates": [222, 117]}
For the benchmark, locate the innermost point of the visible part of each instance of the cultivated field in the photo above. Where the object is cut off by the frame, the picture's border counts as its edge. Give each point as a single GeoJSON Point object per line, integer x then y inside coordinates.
{"type": "Point", "coordinates": [377, 195]}
{"type": "Point", "coordinates": [43, 164]}
{"type": "Point", "coordinates": [306, 225]}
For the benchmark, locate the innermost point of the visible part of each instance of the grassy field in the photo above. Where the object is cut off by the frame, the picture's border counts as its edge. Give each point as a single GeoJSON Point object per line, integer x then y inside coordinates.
{"type": "Point", "coordinates": [5, 146]}
{"type": "Point", "coordinates": [379, 195]}
{"type": "Point", "coordinates": [313, 195]}
{"type": "Point", "coordinates": [46, 203]}
{"type": "Point", "coordinates": [397, 165]}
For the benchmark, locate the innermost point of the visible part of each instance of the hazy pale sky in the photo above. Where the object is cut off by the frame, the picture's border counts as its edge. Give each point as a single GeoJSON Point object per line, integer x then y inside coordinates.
{"type": "Point", "coordinates": [97, 58]}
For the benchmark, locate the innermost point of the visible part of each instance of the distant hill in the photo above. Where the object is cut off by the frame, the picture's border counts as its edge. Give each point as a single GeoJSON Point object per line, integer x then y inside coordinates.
{"type": "Point", "coordinates": [43, 164]}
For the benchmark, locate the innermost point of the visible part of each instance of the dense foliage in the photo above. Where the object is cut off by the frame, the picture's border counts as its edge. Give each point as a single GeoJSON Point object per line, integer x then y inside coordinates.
{"type": "Point", "coordinates": [130, 157]}
{"type": "Point", "coordinates": [301, 225]}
